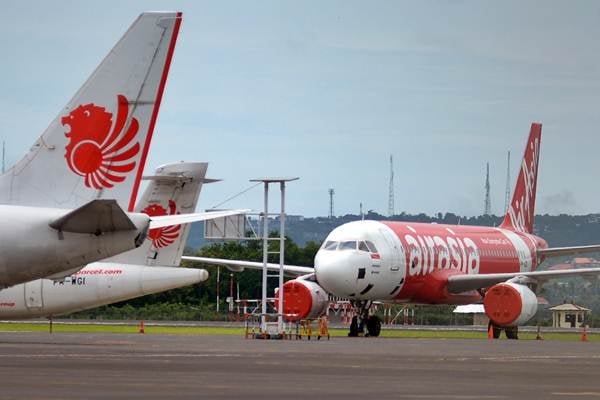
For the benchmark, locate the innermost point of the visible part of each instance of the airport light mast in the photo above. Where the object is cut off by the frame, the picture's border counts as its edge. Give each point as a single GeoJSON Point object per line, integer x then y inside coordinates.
{"type": "Point", "coordinates": [281, 253]}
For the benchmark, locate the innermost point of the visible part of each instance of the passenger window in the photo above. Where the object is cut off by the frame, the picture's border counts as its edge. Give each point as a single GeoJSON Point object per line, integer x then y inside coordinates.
{"type": "Point", "coordinates": [371, 246]}
{"type": "Point", "coordinates": [350, 245]}
{"type": "Point", "coordinates": [362, 246]}
{"type": "Point", "coordinates": [330, 245]}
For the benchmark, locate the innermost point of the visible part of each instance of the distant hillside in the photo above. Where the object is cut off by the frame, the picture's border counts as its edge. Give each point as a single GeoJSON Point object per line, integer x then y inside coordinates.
{"type": "Point", "coordinates": [558, 230]}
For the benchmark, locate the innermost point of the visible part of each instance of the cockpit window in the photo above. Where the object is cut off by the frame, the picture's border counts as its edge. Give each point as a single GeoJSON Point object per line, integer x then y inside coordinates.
{"type": "Point", "coordinates": [331, 245]}
{"type": "Point", "coordinates": [371, 246]}
{"type": "Point", "coordinates": [362, 246]}
{"type": "Point", "coordinates": [350, 245]}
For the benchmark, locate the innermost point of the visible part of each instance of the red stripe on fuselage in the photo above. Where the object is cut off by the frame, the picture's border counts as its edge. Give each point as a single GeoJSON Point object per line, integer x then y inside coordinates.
{"type": "Point", "coordinates": [159, 94]}
{"type": "Point", "coordinates": [466, 249]}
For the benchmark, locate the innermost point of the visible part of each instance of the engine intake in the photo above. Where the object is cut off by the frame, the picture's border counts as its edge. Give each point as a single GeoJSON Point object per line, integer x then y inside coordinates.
{"type": "Point", "coordinates": [510, 304]}
{"type": "Point", "coordinates": [302, 299]}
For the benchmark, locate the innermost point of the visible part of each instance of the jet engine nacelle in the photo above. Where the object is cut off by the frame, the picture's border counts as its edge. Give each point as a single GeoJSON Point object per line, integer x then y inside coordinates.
{"type": "Point", "coordinates": [302, 299]}
{"type": "Point", "coordinates": [510, 304]}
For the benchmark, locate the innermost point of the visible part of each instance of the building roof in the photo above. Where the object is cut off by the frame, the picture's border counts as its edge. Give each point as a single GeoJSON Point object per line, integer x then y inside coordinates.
{"type": "Point", "coordinates": [568, 307]}
{"type": "Point", "coordinates": [470, 309]}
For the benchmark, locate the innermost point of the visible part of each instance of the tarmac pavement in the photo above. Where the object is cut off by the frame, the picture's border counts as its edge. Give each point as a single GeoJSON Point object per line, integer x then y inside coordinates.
{"type": "Point", "coordinates": [39, 365]}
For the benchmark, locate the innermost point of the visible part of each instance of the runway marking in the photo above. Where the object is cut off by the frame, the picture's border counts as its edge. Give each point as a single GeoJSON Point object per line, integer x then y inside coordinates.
{"type": "Point", "coordinates": [96, 356]}
{"type": "Point", "coordinates": [528, 358]}
{"type": "Point", "coordinates": [449, 396]}
{"type": "Point", "coordinates": [114, 342]}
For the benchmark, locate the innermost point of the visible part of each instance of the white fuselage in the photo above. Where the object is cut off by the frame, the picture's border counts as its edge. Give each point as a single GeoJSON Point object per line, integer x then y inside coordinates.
{"type": "Point", "coordinates": [95, 285]}
{"type": "Point", "coordinates": [399, 261]}
{"type": "Point", "coordinates": [31, 249]}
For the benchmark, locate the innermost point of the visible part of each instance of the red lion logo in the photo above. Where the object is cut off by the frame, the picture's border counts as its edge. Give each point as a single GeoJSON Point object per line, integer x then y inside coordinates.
{"type": "Point", "coordinates": [162, 237]}
{"type": "Point", "coordinates": [103, 157]}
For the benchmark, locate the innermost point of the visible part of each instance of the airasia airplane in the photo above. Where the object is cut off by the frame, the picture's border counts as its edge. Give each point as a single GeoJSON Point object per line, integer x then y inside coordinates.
{"type": "Point", "coordinates": [150, 268]}
{"type": "Point", "coordinates": [409, 262]}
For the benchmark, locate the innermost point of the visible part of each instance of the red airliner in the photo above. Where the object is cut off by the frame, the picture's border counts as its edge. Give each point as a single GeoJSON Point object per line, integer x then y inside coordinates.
{"type": "Point", "coordinates": [410, 262]}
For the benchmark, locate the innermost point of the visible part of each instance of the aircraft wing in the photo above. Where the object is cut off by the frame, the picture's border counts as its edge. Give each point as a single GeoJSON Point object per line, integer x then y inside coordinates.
{"type": "Point", "coordinates": [463, 283]}
{"type": "Point", "coordinates": [177, 219]}
{"type": "Point", "coordinates": [563, 251]}
{"type": "Point", "coordinates": [238, 265]}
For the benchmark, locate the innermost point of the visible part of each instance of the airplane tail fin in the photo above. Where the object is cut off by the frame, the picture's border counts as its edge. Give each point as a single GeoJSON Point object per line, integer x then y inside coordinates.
{"type": "Point", "coordinates": [97, 145]}
{"type": "Point", "coordinates": [173, 189]}
{"type": "Point", "coordinates": [522, 207]}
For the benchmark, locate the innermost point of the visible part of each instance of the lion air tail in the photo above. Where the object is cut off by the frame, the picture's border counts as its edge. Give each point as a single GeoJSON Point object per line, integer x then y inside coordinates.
{"type": "Point", "coordinates": [522, 207]}
{"type": "Point", "coordinates": [97, 146]}
{"type": "Point", "coordinates": [173, 189]}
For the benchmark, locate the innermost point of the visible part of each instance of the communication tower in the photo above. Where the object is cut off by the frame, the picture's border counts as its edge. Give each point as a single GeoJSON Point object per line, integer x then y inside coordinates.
{"type": "Point", "coordinates": [488, 202]}
{"type": "Point", "coordinates": [391, 211]}
{"type": "Point", "coordinates": [507, 193]}
{"type": "Point", "coordinates": [331, 193]}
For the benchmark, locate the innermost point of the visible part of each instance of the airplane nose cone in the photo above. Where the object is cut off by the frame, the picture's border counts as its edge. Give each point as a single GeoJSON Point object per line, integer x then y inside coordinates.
{"type": "Point", "coordinates": [336, 272]}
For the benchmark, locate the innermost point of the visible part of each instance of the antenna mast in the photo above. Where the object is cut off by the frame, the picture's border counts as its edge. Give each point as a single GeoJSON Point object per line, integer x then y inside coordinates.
{"type": "Point", "coordinates": [507, 195]}
{"type": "Point", "coordinates": [331, 193]}
{"type": "Point", "coordinates": [391, 210]}
{"type": "Point", "coordinates": [488, 202]}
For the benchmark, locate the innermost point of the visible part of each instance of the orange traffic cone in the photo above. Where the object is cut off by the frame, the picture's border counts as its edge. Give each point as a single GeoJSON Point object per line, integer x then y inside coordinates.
{"type": "Point", "coordinates": [491, 332]}
{"type": "Point", "coordinates": [142, 326]}
{"type": "Point", "coordinates": [584, 335]}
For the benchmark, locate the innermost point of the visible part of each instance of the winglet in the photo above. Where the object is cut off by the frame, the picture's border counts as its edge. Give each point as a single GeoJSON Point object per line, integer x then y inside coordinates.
{"type": "Point", "coordinates": [522, 207]}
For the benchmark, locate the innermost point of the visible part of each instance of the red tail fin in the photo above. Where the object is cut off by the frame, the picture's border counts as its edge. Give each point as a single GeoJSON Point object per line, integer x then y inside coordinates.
{"type": "Point", "coordinates": [521, 211]}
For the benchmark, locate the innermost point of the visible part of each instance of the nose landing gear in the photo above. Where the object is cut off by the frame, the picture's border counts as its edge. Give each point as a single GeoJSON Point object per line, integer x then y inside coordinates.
{"type": "Point", "coordinates": [363, 320]}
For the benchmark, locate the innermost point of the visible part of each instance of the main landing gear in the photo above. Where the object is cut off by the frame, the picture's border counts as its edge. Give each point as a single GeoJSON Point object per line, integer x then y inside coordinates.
{"type": "Point", "coordinates": [363, 320]}
{"type": "Point", "coordinates": [511, 332]}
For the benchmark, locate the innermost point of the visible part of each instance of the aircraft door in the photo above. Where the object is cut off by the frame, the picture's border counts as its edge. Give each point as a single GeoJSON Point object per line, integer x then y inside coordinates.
{"type": "Point", "coordinates": [33, 295]}
{"type": "Point", "coordinates": [396, 268]}
{"type": "Point", "coordinates": [396, 255]}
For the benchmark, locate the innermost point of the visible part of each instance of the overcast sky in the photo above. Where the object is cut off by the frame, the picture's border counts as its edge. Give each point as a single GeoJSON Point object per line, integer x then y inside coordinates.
{"type": "Point", "coordinates": [328, 90]}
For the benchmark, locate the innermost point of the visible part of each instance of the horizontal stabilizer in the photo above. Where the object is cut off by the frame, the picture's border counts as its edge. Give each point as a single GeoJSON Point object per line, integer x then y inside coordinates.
{"type": "Point", "coordinates": [95, 217]}
{"type": "Point", "coordinates": [563, 251]}
{"type": "Point", "coordinates": [237, 264]}
{"type": "Point", "coordinates": [178, 219]}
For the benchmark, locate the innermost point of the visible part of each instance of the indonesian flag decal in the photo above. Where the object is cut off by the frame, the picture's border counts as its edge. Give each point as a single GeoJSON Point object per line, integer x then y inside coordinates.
{"type": "Point", "coordinates": [162, 237]}
{"type": "Point", "coordinates": [100, 149]}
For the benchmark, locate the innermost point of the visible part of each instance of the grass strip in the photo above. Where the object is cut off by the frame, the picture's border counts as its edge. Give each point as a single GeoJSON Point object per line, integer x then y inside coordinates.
{"type": "Point", "coordinates": [216, 330]}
